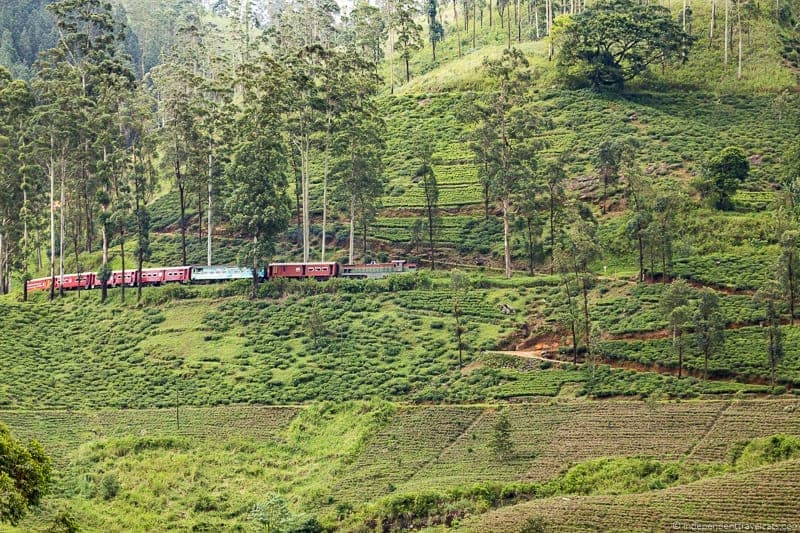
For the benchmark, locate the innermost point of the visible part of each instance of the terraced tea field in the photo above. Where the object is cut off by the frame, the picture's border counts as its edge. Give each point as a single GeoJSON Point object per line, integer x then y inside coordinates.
{"type": "Point", "coordinates": [764, 498]}
{"type": "Point", "coordinates": [352, 455]}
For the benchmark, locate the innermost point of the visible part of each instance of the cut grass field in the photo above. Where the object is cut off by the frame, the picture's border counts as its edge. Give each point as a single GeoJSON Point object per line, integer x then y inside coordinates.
{"type": "Point", "coordinates": [764, 497]}
{"type": "Point", "coordinates": [334, 460]}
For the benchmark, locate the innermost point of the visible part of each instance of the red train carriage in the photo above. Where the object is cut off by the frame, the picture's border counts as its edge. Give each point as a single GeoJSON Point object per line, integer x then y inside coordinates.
{"type": "Point", "coordinates": [76, 281]}
{"type": "Point", "coordinates": [39, 284]}
{"type": "Point", "coordinates": [303, 270]}
{"type": "Point", "coordinates": [178, 274]}
{"type": "Point", "coordinates": [117, 279]}
{"type": "Point", "coordinates": [153, 276]}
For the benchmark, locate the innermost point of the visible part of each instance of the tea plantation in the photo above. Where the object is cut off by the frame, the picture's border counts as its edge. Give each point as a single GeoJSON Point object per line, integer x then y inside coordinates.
{"type": "Point", "coordinates": [351, 404]}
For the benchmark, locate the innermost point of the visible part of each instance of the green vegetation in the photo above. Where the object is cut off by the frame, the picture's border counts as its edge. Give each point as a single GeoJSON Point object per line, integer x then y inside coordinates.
{"type": "Point", "coordinates": [647, 227]}
{"type": "Point", "coordinates": [347, 464]}
{"type": "Point", "coordinates": [25, 472]}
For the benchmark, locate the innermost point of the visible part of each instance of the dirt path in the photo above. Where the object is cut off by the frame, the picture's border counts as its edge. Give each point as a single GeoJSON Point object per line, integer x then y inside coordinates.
{"type": "Point", "coordinates": [533, 355]}
{"type": "Point", "coordinates": [632, 365]}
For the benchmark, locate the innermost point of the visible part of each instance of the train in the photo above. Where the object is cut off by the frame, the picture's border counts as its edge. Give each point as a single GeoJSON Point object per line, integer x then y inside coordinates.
{"type": "Point", "coordinates": [213, 274]}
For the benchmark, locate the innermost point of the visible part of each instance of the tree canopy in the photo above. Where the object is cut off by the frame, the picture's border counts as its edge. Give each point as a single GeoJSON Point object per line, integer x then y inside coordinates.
{"type": "Point", "coordinates": [24, 475]}
{"type": "Point", "coordinates": [722, 176]}
{"type": "Point", "coordinates": [613, 41]}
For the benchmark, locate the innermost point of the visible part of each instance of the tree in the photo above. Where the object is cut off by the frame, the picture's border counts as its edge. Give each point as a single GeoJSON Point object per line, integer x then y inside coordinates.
{"type": "Point", "coordinates": [613, 41]}
{"type": "Point", "coordinates": [435, 29]}
{"type": "Point", "coordinates": [16, 103]}
{"type": "Point", "coordinates": [789, 268]}
{"type": "Point", "coordinates": [708, 326]}
{"type": "Point", "coordinates": [81, 83]}
{"type": "Point", "coordinates": [609, 159]}
{"type": "Point", "coordinates": [554, 176]}
{"type": "Point", "coordinates": [315, 326]}
{"type": "Point", "coordinates": [667, 205]}
{"type": "Point", "coordinates": [790, 179]}
{"type": "Point", "coordinates": [675, 306]}
{"type": "Point", "coordinates": [529, 221]}
{"type": "Point", "coordinates": [460, 285]}
{"type": "Point", "coordinates": [430, 190]}
{"type": "Point", "coordinates": [305, 120]}
{"type": "Point", "coordinates": [568, 315]}
{"type": "Point", "coordinates": [368, 30]}
{"type": "Point", "coordinates": [257, 203]}
{"type": "Point", "coordinates": [639, 195]}
{"type": "Point", "coordinates": [580, 249]}
{"type": "Point", "coordinates": [722, 175]}
{"type": "Point", "coordinates": [501, 437]}
{"type": "Point", "coordinates": [506, 132]}
{"type": "Point", "coordinates": [359, 144]}
{"type": "Point", "coordinates": [408, 31]}
{"type": "Point", "coordinates": [178, 81]}
{"type": "Point", "coordinates": [25, 472]}
{"type": "Point", "coordinates": [767, 297]}
{"type": "Point", "coordinates": [272, 514]}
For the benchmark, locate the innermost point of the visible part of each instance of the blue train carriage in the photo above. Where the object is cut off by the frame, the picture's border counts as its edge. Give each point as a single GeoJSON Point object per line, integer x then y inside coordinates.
{"type": "Point", "coordinates": [215, 273]}
{"type": "Point", "coordinates": [377, 270]}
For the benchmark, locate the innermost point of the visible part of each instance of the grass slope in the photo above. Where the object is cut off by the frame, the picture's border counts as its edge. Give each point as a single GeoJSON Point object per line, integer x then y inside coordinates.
{"type": "Point", "coordinates": [332, 460]}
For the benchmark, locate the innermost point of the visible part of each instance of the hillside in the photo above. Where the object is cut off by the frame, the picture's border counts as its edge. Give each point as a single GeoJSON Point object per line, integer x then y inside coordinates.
{"type": "Point", "coordinates": [580, 395]}
{"type": "Point", "coordinates": [332, 460]}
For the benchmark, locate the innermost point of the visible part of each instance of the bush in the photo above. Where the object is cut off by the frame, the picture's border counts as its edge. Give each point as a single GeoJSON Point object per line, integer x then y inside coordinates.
{"type": "Point", "coordinates": [109, 486]}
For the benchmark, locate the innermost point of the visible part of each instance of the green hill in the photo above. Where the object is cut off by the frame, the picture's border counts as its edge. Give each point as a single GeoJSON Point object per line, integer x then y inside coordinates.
{"type": "Point", "coordinates": [348, 398]}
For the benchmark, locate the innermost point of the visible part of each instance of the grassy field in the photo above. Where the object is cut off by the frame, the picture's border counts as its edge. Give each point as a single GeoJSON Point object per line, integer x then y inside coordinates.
{"type": "Point", "coordinates": [334, 461]}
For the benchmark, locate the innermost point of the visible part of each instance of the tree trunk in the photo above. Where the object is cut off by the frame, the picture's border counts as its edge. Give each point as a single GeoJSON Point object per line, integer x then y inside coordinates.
{"type": "Point", "coordinates": [104, 279]}
{"type": "Point", "coordinates": [792, 289]}
{"type": "Point", "coordinates": [565, 280]}
{"type": "Point", "coordinates": [586, 320]}
{"type": "Point", "coordinates": [507, 233]}
{"type": "Point", "coordinates": [680, 360]}
{"type": "Point", "coordinates": [63, 222]}
{"type": "Point", "coordinates": [683, 16]}
{"type": "Point", "coordinates": [550, 49]}
{"type": "Point", "coordinates": [52, 222]}
{"type": "Point", "coordinates": [458, 337]}
{"type": "Point", "coordinates": [182, 191]}
{"type": "Point", "coordinates": [458, 29]}
{"type": "Point", "coordinates": [641, 251]}
{"type": "Point", "coordinates": [305, 156]}
{"type": "Point", "coordinates": [727, 30]}
{"type": "Point", "coordinates": [705, 364]}
{"type": "Point", "coordinates": [325, 187]}
{"type": "Point", "coordinates": [474, 19]}
{"type": "Point", "coordinates": [391, 50]}
{"type": "Point", "coordinates": [364, 234]}
{"type": "Point", "coordinates": [713, 23]}
{"type": "Point", "coordinates": [351, 253]}
{"type": "Point", "coordinates": [508, 29]}
{"type": "Point", "coordinates": [210, 227]}
{"type": "Point", "coordinates": [552, 231]}
{"type": "Point", "coordinates": [2, 267]}
{"type": "Point", "coordinates": [739, 24]}
{"type": "Point", "coordinates": [530, 246]}
{"type": "Point", "coordinates": [430, 235]}
{"type": "Point", "coordinates": [254, 292]}
{"type": "Point", "coordinates": [408, 69]}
